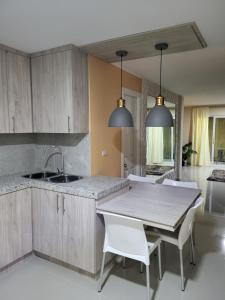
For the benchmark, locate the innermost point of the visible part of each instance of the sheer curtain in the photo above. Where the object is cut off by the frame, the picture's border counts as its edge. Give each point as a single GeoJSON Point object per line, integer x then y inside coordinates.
{"type": "Point", "coordinates": [200, 136]}
{"type": "Point", "coordinates": [154, 140]}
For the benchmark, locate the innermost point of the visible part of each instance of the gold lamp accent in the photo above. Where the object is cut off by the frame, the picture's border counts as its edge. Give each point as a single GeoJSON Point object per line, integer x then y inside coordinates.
{"type": "Point", "coordinates": [121, 102]}
{"type": "Point", "coordinates": [159, 100]}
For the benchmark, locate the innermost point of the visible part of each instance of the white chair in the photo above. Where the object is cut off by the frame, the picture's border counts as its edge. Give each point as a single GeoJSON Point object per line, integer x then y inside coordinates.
{"type": "Point", "coordinates": [180, 237]}
{"type": "Point", "coordinates": [126, 237]}
{"type": "Point", "coordinates": [140, 178]}
{"type": "Point", "coordinates": [187, 184]}
{"type": "Point", "coordinates": [191, 185]}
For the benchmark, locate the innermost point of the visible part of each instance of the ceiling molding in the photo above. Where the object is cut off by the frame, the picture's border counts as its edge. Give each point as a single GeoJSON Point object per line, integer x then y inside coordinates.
{"type": "Point", "coordinates": [184, 37]}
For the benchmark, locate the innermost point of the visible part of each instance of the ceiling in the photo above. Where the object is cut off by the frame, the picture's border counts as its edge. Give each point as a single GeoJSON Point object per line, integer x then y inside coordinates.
{"type": "Point", "coordinates": [34, 25]}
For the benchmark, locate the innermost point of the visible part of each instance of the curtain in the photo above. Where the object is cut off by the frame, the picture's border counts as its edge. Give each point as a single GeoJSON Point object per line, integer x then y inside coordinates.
{"type": "Point", "coordinates": [200, 136]}
{"type": "Point", "coordinates": [154, 140]}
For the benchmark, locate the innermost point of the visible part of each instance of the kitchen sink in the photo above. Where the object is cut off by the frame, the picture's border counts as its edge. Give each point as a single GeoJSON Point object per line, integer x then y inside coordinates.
{"type": "Point", "coordinates": [64, 178]}
{"type": "Point", "coordinates": [53, 177]}
{"type": "Point", "coordinates": [40, 175]}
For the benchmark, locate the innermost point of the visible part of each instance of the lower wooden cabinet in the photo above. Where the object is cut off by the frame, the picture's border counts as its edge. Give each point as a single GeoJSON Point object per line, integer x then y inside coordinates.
{"type": "Point", "coordinates": [64, 228]}
{"type": "Point", "coordinates": [15, 226]}
{"type": "Point", "coordinates": [78, 234]}
{"type": "Point", "coordinates": [47, 222]}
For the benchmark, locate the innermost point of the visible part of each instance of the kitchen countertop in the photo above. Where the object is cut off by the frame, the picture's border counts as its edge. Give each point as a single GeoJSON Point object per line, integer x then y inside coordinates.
{"type": "Point", "coordinates": [95, 187]}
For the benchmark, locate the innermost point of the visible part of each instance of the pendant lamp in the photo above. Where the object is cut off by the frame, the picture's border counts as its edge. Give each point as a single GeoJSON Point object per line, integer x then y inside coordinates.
{"type": "Point", "coordinates": [159, 115]}
{"type": "Point", "coordinates": [121, 117]}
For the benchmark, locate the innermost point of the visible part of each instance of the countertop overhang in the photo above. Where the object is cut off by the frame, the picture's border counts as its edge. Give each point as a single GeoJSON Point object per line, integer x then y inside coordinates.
{"type": "Point", "coordinates": [94, 187]}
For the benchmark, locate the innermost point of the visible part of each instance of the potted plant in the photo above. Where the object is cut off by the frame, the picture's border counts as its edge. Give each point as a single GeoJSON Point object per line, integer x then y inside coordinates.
{"type": "Point", "coordinates": [187, 151]}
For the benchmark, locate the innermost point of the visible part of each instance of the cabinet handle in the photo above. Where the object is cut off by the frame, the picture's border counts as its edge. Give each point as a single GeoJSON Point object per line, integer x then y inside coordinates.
{"type": "Point", "coordinates": [68, 123]}
{"type": "Point", "coordinates": [13, 121]}
{"type": "Point", "coordinates": [57, 207]}
{"type": "Point", "coordinates": [63, 197]}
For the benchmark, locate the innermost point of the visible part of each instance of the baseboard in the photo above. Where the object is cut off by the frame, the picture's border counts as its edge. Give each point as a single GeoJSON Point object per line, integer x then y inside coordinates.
{"type": "Point", "coordinates": [110, 264]}
{"type": "Point", "coordinates": [15, 261]}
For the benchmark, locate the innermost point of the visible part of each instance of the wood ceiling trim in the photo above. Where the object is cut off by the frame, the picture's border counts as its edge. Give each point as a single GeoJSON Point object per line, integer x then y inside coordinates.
{"type": "Point", "coordinates": [184, 37]}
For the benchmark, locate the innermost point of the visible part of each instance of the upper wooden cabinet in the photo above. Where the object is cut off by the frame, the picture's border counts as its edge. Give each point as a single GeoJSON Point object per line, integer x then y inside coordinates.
{"type": "Point", "coordinates": [4, 108]}
{"type": "Point", "coordinates": [15, 93]}
{"type": "Point", "coordinates": [60, 91]}
{"type": "Point", "coordinates": [19, 93]}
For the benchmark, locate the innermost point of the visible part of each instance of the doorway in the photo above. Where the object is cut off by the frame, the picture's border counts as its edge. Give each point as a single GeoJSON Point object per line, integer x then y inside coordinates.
{"type": "Point", "coordinates": [217, 139]}
{"type": "Point", "coordinates": [130, 140]}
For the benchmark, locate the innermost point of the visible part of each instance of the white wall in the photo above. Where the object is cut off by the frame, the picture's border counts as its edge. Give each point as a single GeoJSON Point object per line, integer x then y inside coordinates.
{"type": "Point", "coordinates": [217, 111]}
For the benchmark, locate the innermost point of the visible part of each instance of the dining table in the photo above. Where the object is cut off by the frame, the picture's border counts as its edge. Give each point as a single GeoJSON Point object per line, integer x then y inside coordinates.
{"type": "Point", "coordinates": [157, 205]}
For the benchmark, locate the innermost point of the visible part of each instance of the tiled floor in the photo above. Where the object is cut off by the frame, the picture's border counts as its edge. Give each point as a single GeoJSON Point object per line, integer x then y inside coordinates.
{"type": "Point", "coordinates": [36, 279]}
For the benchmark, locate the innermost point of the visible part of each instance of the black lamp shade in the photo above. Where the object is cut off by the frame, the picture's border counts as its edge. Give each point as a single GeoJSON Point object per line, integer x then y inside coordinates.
{"type": "Point", "coordinates": [159, 116]}
{"type": "Point", "coordinates": [121, 117]}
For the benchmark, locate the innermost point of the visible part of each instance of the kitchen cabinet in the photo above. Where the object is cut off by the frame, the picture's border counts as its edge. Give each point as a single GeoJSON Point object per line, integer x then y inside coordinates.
{"type": "Point", "coordinates": [15, 93]}
{"type": "Point", "coordinates": [19, 93]}
{"type": "Point", "coordinates": [47, 222]}
{"type": "Point", "coordinates": [78, 232]}
{"type": "Point", "coordinates": [15, 226]}
{"type": "Point", "coordinates": [60, 91]}
{"type": "Point", "coordinates": [4, 109]}
{"type": "Point", "coordinates": [64, 227]}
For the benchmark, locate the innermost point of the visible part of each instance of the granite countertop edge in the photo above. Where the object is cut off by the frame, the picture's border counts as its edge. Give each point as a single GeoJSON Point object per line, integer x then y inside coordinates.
{"type": "Point", "coordinates": [94, 187]}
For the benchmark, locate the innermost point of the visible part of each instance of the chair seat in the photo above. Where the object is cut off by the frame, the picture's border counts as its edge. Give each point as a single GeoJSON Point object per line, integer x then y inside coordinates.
{"type": "Point", "coordinates": [164, 235]}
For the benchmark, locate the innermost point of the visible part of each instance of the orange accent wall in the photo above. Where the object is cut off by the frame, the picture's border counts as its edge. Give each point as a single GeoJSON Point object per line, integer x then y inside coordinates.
{"type": "Point", "coordinates": [104, 90]}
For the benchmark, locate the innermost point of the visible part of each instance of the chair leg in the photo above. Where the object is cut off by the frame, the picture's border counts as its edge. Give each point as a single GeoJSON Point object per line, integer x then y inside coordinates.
{"type": "Point", "coordinates": [160, 262]}
{"type": "Point", "coordinates": [181, 269]}
{"type": "Point", "coordinates": [193, 234]}
{"type": "Point", "coordinates": [148, 282]}
{"type": "Point", "coordinates": [101, 274]}
{"type": "Point", "coordinates": [193, 250]}
{"type": "Point", "coordinates": [124, 262]}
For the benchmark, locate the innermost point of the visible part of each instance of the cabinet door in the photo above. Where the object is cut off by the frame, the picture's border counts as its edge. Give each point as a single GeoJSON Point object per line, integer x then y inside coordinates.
{"type": "Point", "coordinates": [15, 226]}
{"type": "Point", "coordinates": [19, 93]}
{"type": "Point", "coordinates": [52, 92]}
{"type": "Point", "coordinates": [47, 223]}
{"type": "Point", "coordinates": [79, 232]}
{"type": "Point", "coordinates": [42, 91]}
{"type": "Point", "coordinates": [62, 89]}
{"type": "Point", "coordinates": [4, 112]}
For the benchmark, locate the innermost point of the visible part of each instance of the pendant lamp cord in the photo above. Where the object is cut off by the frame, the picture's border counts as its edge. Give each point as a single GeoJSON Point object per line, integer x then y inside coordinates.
{"type": "Point", "coordinates": [121, 74]}
{"type": "Point", "coordinates": [160, 80]}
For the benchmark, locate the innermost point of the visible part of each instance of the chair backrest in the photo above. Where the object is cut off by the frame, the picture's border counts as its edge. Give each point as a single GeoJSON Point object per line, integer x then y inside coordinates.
{"type": "Point", "coordinates": [140, 178]}
{"type": "Point", "coordinates": [125, 236]}
{"type": "Point", "coordinates": [186, 184]}
{"type": "Point", "coordinates": [186, 227]}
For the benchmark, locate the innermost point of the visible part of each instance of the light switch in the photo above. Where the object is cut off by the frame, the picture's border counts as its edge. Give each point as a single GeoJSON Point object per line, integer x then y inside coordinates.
{"type": "Point", "coordinates": [104, 152]}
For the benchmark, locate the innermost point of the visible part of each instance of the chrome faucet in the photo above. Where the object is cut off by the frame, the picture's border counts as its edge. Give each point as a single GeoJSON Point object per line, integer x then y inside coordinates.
{"type": "Point", "coordinates": [57, 151]}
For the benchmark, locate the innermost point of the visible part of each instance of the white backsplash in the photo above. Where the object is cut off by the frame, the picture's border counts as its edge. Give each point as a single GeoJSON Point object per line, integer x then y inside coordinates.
{"type": "Point", "coordinates": [27, 158]}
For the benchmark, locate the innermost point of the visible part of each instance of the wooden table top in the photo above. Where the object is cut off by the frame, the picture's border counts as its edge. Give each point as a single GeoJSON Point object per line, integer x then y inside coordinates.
{"type": "Point", "coordinates": [157, 205]}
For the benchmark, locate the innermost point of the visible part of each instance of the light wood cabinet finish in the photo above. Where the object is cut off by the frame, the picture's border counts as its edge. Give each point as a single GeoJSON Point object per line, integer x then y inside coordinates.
{"type": "Point", "coordinates": [59, 89]}
{"type": "Point", "coordinates": [47, 223]}
{"type": "Point", "coordinates": [63, 228]}
{"type": "Point", "coordinates": [15, 226]}
{"type": "Point", "coordinates": [79, 232]}
{"type": "Point", "coordinates": [19, 93]}
{"type": "Point", "coordinates": [4, 110]}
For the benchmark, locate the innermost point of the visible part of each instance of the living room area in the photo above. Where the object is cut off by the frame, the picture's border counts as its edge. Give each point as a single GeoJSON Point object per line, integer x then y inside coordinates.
{"type": "Point", "coordinates": [204, 153]}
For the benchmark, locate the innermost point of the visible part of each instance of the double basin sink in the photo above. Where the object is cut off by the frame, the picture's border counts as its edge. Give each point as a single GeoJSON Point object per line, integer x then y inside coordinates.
{"type": "Point", "coordinates": [53, 177]}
